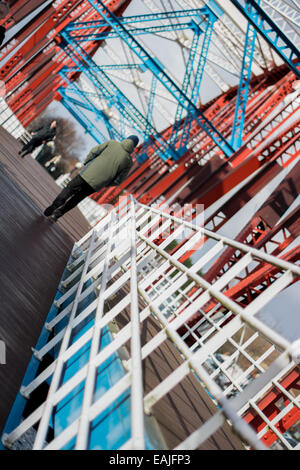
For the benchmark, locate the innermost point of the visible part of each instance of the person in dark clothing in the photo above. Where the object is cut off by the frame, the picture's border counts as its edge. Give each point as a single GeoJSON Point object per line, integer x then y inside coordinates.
{"type": "Point", "coordinates": [4, 10]}
{"type": "Point", "coordinates": [2, 34]}
{"type": "Point", "coordinates": [53, 167]}
{"type": "Point", "coordinates": [46, 153]}
{"type": "Point", "coordinates": [106, 165]}
{"type": "Point", "coordinates": [41, 135]}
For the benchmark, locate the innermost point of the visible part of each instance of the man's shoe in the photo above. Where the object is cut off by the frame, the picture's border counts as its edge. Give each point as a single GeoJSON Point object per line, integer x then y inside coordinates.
{"type": "Point", "coordinates": [55, 216]}
{"type": "Point", "coordinates": [49, 211]}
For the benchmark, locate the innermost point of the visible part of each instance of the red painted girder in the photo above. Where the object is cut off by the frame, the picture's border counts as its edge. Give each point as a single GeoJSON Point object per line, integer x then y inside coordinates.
{"type": "Point", "coordinates": [289, 224]}
{"type": "Point", "coordinates": [247, 192]}
{"type": "Point", "coordinates": [47, 31]}
{"type": "Point", "coordinates": [67, 11]}
{"type": "Point", "coordinates": [252, 284]}
{"type": "Point", "coordinates": [28, 93]}
{"type": "Point", "coordinates": [282, 197]}
{"type": "Point", "coordinates": [190, 252]}
{"type": "Point", "coordinates": [157, 190]}
{"type": "Point", "coordinates": [37, 94]}
{"type": "Point", "coordinates": [19, 10]}
{"type": "Point", "coordinates": [33, 102]}
{"type": "Point", "coordinates": [32, 89]}
{"type": "Point", "coordinates": [59, 55]}
{"type": "Point", "coordinates": [255, 114]}
{"type": "Point", "coordinates": [32, 83]}
{"type": "Point", "coordinates": [216, 110]}
{"type": "Point", "coordinates": [181, 171]}
{"type": "Point", "coordinates": [267, 406]}
{"type": "Point", "coordinates": [244, 292]}
{"type": "Point", "coordinates": [260, 276]}
{"type": "Point", "coordinates": [31, 69]}
{"type": "Point", "coordinates": [267, 101]}
{"type": "Point", "coordinates": [283, 425]}
{"type": "Point", "coordinates": [39, 38]}
{"type": "Point", "coordinates": [227, 178]}
{"type": "Point", "coordinates": [30, 86]}
{"type": "Point", "coordinates": [221, 108]}
{"type": "Point", "coordinates": [30, 29]}
{"type": "Point", "coordinates": [254, 110]}
{"type": "Point", "coordinates": [210, 112]}
{"type": "Point", "coordinates": [31, 115]}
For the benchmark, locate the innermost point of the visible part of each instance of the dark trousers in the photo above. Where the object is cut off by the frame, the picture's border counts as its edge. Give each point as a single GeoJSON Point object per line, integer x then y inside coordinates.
{"type": "Point", "coordinates": [75, 191]}
{"type": "Point", "coordinates": [31, 145]}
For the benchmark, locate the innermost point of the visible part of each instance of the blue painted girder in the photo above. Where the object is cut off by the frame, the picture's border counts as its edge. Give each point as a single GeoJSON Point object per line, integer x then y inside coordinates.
{"type": "Point", "coordinates": [135, 31]}
{"type": "Point", "coordinates": [243, 90]}
{"type": "Point", "coordinates": [155, 67]}
{"type": "Point", "coordinates": [271, 33]}
{"type": "Point", "coordinates": [199, 75]}
{"type": "Point", "coordinates": [134, 19]}
{"type": "Point", "coordinates": [107, 87]}
{"type": "Point", "coordinates": [79, 115]}
{"type": "Point", "coordinates": [88, 104]}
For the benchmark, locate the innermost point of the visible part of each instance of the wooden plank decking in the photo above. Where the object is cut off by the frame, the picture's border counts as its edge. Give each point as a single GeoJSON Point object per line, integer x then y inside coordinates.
{"type": "Point", "coordinates": [33, 255]}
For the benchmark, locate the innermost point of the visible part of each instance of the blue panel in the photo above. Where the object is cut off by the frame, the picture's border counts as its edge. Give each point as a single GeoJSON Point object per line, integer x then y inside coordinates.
{"type": "Point", "coordinates": [111, 429]}
{"type": "Point", "coordinates": [20, 402]}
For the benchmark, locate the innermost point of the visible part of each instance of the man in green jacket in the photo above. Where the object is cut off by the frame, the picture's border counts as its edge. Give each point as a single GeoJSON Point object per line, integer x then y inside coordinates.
{"type": "Point", "coordinates": [106, 165]}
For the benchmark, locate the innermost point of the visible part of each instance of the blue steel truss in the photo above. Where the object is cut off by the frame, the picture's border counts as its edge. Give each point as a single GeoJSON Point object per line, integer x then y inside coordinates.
{"type": "Point", "coordinates": [198, 16]}
{"type": "Point", "coordinates": [211, 18]}
{"type": "Point", "coordinates": [156, 68]}
{"type": "Point", "coordinates": [151, 102]}
{"type": "Point", "coordinates": [186, 80]}
{"type": "Point", "coordinates": [271, 33]}
{"type": "Point", "coordinates": [142, 156]}
{"type": "Point", "coordinates": [81, 117]}
{"type": "Point", "coordinates": [112, 131]}
{"type": "Point", "coordinates": [128, 28]}
{"type": "Point", "coordinates": [243, 90]}
{"type": "Point", "coordinates": [114, 95]}
{"type": "Point", "coordinates": [134, 19]}
{"type": "Point", "coordinates": [135, 31]}
{"type": "Point", "coordinates": [87, 104]}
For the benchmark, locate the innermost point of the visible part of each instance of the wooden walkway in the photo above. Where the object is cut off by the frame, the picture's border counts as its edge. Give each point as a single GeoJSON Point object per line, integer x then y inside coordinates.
{"type": "Point", "coordinates": [33, 255]}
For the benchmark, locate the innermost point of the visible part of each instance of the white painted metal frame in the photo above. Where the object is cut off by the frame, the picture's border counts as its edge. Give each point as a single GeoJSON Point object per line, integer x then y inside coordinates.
{"type": "Point", "coordinates": [11, 123]}
{"type": "Point", "coordinates": [119, 254]}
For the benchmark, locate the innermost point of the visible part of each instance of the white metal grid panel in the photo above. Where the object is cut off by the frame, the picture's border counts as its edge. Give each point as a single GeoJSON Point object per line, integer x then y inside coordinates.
{"type": "Point", "coordinates": [235, 356]}
{"type": "Point", "coordinates": [10, 122]}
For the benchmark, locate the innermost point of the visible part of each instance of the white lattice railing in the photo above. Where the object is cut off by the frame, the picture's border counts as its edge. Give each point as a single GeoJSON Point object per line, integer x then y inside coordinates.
{"type": "Point", "coordinates": [10, 122]}
{"type": "Point", "coordinates": [236, 357]}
